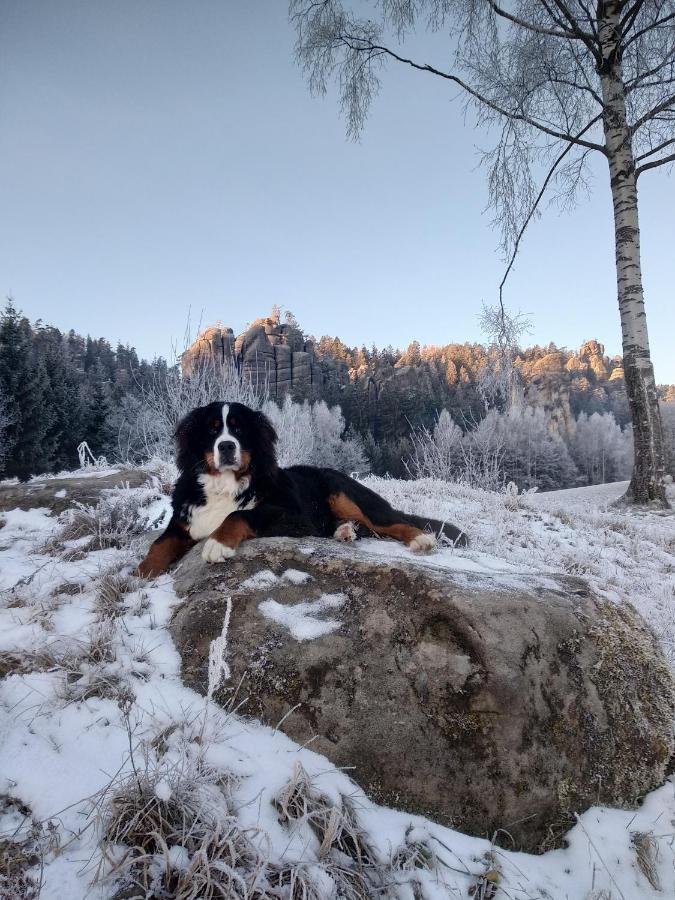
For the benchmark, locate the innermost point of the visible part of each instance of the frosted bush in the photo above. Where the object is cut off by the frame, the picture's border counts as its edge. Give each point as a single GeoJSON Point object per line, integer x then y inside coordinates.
{"type": "Point", "coordinates": [314, 434]}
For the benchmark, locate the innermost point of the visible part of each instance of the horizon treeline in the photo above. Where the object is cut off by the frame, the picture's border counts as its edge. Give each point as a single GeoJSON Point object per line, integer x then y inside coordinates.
{"type": "Point", "coordinates": [58, 389]}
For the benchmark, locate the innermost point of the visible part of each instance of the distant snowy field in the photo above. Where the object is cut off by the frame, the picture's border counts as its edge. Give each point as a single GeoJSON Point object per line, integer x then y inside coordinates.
{"type": "Point", "coordinates": [92, 696]}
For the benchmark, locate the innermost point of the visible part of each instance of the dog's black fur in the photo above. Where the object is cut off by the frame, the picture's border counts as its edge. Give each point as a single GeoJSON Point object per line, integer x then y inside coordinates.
{"type": "Point", "coordinates": [266, 500]}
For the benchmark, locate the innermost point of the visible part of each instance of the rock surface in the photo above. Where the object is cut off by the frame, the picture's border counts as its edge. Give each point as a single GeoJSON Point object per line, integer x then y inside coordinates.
{"type": "Point", "coordinates": [57, 494]}
{"type": "Point", "coordinates": [484, 702]}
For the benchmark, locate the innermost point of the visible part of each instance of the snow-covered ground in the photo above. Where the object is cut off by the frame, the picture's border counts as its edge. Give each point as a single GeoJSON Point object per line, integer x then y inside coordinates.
{"type": "Point", "coordinates": [94, 716]}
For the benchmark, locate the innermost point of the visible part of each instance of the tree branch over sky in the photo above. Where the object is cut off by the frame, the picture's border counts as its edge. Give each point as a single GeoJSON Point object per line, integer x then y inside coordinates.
{"type": "Point", "coordinates": [552, 81]}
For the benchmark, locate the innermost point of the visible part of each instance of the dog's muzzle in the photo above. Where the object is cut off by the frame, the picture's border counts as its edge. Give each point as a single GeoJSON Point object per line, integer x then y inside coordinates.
{"type": "Point", "coordinates": [227, 454]}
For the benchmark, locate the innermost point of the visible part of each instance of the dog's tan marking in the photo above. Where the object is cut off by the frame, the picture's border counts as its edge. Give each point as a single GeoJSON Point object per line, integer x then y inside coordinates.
{"type": "Point", "coordinates": [162, 554]}
{"type": "Point", "coordinates": [344, 508]}
{"type": "Point", "coordinates": [211, 463]}
{"type": "Point", "coordinates": [245, 463]}
{"type": "Point", "coordinates": [233, 532]}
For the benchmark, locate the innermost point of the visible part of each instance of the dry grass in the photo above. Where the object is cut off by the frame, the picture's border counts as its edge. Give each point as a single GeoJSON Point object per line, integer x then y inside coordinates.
{"type": "Point", "coordinates": [113, 522]}
{"type": "Point", "coordinates": [646, 852]}
{"type": "Point", "coordinates": [336, 827]}
{"type": "Point", "coordinates": [25, 662]}
{"type": "Point", "coordinates": [111, 588]}
{"type": "Point", "coordinates": [89, 668]}
{"type": "Point", "coordinates": [22, 849]}
{"type": "Point", "coordinates": [170, 831]}
{"type": "Point", "coordinates": [416, 853]}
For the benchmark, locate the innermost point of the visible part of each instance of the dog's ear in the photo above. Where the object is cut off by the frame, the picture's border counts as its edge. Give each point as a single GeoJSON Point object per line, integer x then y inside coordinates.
{"type": "Point", "coordinates": [265, 429]}
{"type": "Point", "coordinates": [182, 436]}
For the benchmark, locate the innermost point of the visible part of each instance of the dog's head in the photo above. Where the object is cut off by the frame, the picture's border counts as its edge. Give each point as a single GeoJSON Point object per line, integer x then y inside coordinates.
{"type": "Point", "coordinates": [225, 437]}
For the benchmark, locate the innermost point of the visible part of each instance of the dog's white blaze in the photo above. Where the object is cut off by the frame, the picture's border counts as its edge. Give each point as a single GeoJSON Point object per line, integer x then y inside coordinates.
{"type": "Point", "coordinates": [221, 499]}
{"type": "Point", "coordinates": [226, 436]}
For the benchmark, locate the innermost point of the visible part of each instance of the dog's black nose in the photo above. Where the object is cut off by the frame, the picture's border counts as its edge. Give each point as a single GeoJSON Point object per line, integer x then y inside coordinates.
{"type": "Point", "coordinates": [227, 448]}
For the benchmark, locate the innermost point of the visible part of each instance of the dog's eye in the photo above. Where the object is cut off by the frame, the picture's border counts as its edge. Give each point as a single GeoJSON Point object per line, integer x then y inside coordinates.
{"type": "Point", "coordinates": [232, 423]}
{"type": "Point", "coordinates": [215, 425]}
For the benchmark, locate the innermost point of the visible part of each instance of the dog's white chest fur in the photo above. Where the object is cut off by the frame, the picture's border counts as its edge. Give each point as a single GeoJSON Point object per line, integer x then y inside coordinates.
{"type": "Point", "coordinates": [221, 499]}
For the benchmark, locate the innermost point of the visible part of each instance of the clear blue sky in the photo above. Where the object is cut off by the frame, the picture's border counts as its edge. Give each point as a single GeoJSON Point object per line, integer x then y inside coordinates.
{"type": "Point", "coordinates": [162, 155]}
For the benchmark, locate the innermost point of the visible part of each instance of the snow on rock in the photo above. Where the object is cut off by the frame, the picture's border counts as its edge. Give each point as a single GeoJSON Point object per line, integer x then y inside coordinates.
{"type": "Point", "coordinates": [265, 578]}
{"type": "Point", "coordinates": [302, 619]}
{"type": "Point", "coordinates": [295, 576]}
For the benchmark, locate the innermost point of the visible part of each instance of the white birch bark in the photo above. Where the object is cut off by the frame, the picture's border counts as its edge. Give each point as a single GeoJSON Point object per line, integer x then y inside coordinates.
{"type": "Point", "coordinates": [647, 485]}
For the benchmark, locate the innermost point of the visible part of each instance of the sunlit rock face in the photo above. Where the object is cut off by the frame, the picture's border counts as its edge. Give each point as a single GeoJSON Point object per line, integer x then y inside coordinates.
{"type": "Point", "coordinates": [270, 352]}
{"type": "Point", "coordinates": [483, 700]}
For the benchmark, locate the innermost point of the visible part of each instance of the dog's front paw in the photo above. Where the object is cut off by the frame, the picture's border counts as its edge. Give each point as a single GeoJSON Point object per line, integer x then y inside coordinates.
{"type": "Point", "coordinates": [423, 543]}
{"type": "Point", "coordinates": [214, 552]}
{"type": "Point", "coordinates": [346, 533]}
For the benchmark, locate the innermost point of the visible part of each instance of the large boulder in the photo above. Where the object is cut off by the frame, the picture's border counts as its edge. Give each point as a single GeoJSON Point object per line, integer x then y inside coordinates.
{"type": "Point", "coordinates": [483, 701]}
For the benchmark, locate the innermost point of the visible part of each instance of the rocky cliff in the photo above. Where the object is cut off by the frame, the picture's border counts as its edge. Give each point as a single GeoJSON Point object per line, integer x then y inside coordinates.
{"type": "Point", "coordinates": [274, 352]}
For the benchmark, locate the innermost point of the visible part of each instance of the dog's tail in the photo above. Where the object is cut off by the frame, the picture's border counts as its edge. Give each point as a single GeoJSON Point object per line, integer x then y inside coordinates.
{"type": "Point", "coordinates": [453, 534]}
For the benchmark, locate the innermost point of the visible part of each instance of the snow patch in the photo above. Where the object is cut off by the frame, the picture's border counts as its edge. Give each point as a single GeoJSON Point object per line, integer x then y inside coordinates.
{"type": "Point", "coordinates": [219, 669]}
{"type": "Point", "coordinates": [295, 576]}
{"type": "Point", "coordinates": [259, 581]}
{"type": "Point", "coordinates": [301, 619]}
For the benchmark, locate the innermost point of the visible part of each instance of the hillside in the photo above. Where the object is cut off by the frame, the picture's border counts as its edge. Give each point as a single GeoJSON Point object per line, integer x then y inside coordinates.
{"type": "Point", "coordinates": [381, 390]}
{"type": "Point", "coordinates": [58, 389]}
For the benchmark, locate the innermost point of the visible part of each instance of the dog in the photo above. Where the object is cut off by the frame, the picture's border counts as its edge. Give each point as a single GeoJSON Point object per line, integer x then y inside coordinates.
{"type": "Point", "coordinates": [230, 489]}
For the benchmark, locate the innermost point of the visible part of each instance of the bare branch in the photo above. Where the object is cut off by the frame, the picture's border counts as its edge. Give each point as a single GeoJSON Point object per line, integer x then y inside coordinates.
{"type": "Point", "coordinates": [566, 34]}
{"type": "Point", "coordinates": [536, 203]}
{"type": "Point", "coordinates": [654, 164]}
{"type": "Point", "coordinates": [588, 39]}
{"type": "Point", "coordinates": [654, 150]}
{"type": "Point", "coordinates": [629, 19]}
{"type": "Point", "coordinates": [665, 104]}
{"type": "Point", "coordinates": [657, 24]}
{"type": "Point", "coordinates": [361, 45]}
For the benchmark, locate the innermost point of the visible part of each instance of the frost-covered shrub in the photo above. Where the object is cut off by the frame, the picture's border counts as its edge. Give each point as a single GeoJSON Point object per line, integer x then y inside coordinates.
{"type": "Point", "coordinates": [118, 516]}
{"type": "Point", "coordinates": [293, 425]}
{"type": "Point", "coordinates": [519, 446]}
{"type": "Point", "coordinates": [314, 434]}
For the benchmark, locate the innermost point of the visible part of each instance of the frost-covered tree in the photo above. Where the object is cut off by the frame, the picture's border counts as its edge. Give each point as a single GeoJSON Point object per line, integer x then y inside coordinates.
{"type": "Point", "coordinates": [5, 422]}
{"type": "Point", "coordinates": [437, 452]}
{"type": "Point", "coordinates": [498, 380]}
{"type": "Point", "coordinates": [556, 81]}
{"type": "Point", "coordinates": [668, 419]}
{"type": "Point", "coordinates": [315, 434]}
{"type": "Point", "coordinates": [333, 445]}
{"type": "Point", "coordinates": [519, 445]}
{"type": "Point", "coordinates": [601, 448]}
{"type": "Point", "coordinates": [535, 455]}
{"type": "Point", "coordinates": [293, 425]}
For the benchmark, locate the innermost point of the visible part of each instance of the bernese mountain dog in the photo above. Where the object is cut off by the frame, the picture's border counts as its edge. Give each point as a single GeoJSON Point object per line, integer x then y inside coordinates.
{"type": "Point", "coordinates": [231, 489]}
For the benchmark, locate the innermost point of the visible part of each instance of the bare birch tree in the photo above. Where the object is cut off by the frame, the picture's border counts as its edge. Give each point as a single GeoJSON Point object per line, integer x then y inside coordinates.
{"type": "Point", "coordinates": [555, 80]}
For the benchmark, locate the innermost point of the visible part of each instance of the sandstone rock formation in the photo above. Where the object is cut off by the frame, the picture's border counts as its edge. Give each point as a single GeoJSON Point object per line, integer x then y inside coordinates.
{"type": "Point", "coordinates": [484, 702]}
{"type": "Point", "coordinates": [272, 352]}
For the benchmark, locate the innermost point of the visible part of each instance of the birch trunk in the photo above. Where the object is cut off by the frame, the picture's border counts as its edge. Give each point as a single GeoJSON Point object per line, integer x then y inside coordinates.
{"type": "Point", "coordinates": [647, 484]}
